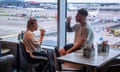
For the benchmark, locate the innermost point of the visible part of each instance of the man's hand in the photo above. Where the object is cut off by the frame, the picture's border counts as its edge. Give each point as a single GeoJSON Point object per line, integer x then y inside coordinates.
{"type": "Point", "coordinates": [62, 51]}
{"type": "Point", "coordinates": [69, 51]}
{"type": "Point", "coordinates": [69, 20]}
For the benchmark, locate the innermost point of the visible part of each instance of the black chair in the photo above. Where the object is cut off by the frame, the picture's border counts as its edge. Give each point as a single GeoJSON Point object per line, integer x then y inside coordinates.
{"type": "Point", "coordinates": [30, 59]}
{"type": "Point", "coordinates": [114, 68]}
{"type": "Point", "coordinates": [6, 63]}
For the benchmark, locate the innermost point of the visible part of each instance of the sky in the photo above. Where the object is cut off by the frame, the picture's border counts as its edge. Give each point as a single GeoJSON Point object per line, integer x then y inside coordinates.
{"type": "Point", "coordinates": [12, 0]}
{"type": "Point", "coordinates": [81, 1]}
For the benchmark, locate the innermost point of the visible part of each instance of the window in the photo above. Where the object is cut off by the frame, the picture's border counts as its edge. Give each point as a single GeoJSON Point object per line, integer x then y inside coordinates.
{"type": "Point", "coordinates": [104, 17]}
{"type": "Point", "coordinates": [14, 15]}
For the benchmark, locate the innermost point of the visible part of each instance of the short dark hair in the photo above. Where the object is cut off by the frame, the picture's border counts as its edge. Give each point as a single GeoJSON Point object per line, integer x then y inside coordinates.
{"type": "Point", "coordinates": [30, 22]}
{"type": "Point", "coordinates": [83, 12]}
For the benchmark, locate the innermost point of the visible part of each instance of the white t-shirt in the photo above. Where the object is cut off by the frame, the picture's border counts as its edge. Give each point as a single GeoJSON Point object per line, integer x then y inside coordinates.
{"type": "Point", "coordinates": [80, 33]}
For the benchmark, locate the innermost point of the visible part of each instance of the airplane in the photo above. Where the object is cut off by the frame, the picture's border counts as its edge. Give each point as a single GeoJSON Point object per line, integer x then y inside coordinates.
{"type": "Point", "coordinates": [94, 14]}
{"type": "Point", "coordinates": [35, 9]}
{"type": "Point", "coordinates": [10, 6]}
{"type": "Point", "coordinates": [71, 7]}
{"type": "Point", "coordinates": [116, 19]}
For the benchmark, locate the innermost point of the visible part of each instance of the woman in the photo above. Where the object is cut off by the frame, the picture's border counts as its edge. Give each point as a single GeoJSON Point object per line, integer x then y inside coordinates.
{"type": "Point", "coordinates": [32, 45]}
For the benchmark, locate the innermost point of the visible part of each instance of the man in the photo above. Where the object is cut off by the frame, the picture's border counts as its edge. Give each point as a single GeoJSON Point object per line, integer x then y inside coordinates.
{"type": "Point", "coordinates": [83, 33]}
{"type": "Point", "coordinates": [32, 45]}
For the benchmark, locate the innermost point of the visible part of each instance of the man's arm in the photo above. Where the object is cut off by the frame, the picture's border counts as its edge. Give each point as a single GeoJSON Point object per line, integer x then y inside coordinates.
{"type": "Point", "coordinates": [69, 28]}
{"type": "Point", "coordinates": [76, 45]}
{"type": "Point", "coordinates": [68, 25]}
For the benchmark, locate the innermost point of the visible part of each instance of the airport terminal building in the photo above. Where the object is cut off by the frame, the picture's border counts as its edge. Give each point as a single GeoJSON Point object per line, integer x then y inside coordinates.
{"type": "Point", "coordinates": [6, 3]}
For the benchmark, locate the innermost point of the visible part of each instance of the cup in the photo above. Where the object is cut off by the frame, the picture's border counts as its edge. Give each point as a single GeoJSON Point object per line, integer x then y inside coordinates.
{"type": "Point", "coordinates": [42, 32]}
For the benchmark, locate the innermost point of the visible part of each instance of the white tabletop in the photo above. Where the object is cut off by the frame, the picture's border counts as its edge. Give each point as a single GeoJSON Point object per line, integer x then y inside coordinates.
{"type": "Point", "coordinates": [96, 61]}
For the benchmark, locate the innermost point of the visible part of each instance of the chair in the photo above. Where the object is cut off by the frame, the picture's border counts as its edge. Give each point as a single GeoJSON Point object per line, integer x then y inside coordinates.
{"type": "Point", "coordinates": [6, 63]}
{"type": "Point", "coordinates": [27, 57]}
{"type": "Point", "coordinates": [114, 68]}
{"type": "Point", "coordinates": [21, 47]}
{"type": "Point", "coordinates": [5, 51]}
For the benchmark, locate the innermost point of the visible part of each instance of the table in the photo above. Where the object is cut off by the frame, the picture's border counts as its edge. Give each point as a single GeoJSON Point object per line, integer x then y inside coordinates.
{"type": "Point", "coordinates": [95, 62]}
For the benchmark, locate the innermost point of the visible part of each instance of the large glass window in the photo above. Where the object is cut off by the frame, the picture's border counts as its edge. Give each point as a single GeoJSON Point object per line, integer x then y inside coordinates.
{"type": "Point", "coordinates": [104, 17]}
{"type": "Point", "coordinates": [15, 13]}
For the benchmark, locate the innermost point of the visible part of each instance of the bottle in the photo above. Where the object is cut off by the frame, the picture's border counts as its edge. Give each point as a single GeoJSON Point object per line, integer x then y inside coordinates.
{"type": "Point", "coordinates": [105, 46]}
{"type": "Point", "coordinates": [99, 44]}
{"type": "Point", "coordinates": [92, 50]}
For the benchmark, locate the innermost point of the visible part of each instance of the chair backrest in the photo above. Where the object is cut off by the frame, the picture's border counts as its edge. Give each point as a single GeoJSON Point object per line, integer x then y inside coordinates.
{"type": "Point", "coordinates": [114, 68]}
{"type": "Point", "coordinates": [22, 47]}
{"type": "Point", "coordinates": [24, 53]}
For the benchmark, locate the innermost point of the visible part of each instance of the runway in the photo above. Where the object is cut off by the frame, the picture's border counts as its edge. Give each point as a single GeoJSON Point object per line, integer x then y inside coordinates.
{"type": "Point", "coordinates": [11, 23]}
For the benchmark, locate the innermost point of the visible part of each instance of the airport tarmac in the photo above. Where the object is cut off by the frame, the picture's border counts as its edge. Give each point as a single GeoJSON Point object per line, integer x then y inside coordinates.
{"type": "Point", "coordinates": [13, 25]}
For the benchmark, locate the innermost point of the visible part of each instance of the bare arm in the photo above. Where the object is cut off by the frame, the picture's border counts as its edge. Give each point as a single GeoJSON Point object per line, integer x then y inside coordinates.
{"type": "Point", "coordinates": [68, 25]}
{"type": "Point", "coordinates": [76, 45]}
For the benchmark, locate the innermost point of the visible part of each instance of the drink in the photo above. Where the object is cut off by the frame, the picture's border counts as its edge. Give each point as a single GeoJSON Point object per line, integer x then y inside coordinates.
{"type": "Point", "coordinates": [88, 51]}
{"type": "Point", "coordinates": [103, 47]}
{"type": "Point", "coordinates": [42, 32]}
{"type": "Point", "coordinates": [99, 46]}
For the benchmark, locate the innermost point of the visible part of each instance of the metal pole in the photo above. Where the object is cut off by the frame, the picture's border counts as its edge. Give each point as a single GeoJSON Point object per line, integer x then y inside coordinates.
{"type": "Point", "coordinates": [62, 4]}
